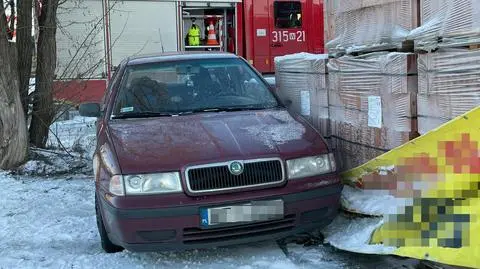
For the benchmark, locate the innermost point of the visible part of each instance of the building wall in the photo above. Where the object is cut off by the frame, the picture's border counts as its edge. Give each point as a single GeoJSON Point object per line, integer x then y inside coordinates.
{"type": "Point", "coordinates": [142, 27]}
{"type": "Point", "coordinates": [80, 47]}
{"type": "Point", "coordinates": [136, 27]}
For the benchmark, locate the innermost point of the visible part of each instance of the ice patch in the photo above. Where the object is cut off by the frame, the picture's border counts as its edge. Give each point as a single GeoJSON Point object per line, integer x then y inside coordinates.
{"type": "Point", "coordinates": [272, 134]}
{"type": "Point", "coordinates": [354, 234]}
{"type": "Point", "coordinates": [370, 202]}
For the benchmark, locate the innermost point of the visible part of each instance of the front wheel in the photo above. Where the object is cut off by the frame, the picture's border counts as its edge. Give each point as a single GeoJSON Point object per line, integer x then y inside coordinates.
{"type": "Point", "coordinates": [107, 245]}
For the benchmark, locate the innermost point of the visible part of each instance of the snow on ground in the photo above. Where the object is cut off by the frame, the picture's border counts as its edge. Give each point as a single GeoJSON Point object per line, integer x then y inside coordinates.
{"type": "Point", "coordinates": [372, 202]}
{"type": "Point", "coordinates": [76, 135]}
{"type": "Point", "coordinates": [47, 220]}
{"type": "Point", "coordinates": [54, 163]}
{"type": "Point", "coordinates": [353, 234]}
{"type": "Point", "coordinates": [50, 223]}
{"type": "Point", "coordinates": [70, 144]}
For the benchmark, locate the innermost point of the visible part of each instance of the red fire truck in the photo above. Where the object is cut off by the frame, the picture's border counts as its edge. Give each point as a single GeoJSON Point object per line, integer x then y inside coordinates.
{"type": "Point", "coordinates": [258, 30]}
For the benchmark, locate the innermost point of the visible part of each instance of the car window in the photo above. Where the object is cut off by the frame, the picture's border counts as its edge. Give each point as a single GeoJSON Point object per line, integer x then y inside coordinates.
{"type": "Point", "coordinates": [288, 14]}
{"type": "Point", "coordinates": [112, 82]}
{"type": "Point", "coordinates": [193, 85]}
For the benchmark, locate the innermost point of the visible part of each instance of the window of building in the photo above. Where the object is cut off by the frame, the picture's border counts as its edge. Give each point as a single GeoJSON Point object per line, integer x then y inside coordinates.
{"type": "Point", "coordinates": [288, 14]}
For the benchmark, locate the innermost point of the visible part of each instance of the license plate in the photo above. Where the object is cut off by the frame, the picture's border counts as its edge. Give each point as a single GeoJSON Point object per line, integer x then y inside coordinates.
{"type": "Point", "coordinates": [249, 212]}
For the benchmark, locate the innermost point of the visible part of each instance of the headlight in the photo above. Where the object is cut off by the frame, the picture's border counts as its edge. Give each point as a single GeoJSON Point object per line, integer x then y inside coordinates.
{"type": "Point", "coordinates": [311, 166]}
{"type": "Point", "coordinates": [146, 184]}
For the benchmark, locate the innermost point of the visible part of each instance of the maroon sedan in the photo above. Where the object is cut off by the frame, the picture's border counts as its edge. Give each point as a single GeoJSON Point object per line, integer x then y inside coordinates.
{"type": "Point", "coordinates": [196, 151]}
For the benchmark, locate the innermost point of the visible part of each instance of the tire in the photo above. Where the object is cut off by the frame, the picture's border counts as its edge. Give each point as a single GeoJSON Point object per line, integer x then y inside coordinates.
{"type": "Point", "coordinates": [107, 245]}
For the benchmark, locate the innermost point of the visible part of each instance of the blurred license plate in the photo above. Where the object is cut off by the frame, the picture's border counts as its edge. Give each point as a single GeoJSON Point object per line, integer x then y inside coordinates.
{"type": "Point", "coordinates": [249, 212]}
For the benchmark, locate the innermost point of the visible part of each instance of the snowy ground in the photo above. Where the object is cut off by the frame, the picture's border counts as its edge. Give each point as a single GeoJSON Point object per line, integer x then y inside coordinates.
{"type": "Point", "coordinates": [47, 220]}
{"type": "Point", "coordinates": [50, 223]}
{"type": "Point", "coordinates": [75, 135]}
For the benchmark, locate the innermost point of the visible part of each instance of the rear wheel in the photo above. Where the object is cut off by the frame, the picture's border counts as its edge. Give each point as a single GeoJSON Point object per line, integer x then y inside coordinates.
{"type": "Point", "coordinates": [107, 245]}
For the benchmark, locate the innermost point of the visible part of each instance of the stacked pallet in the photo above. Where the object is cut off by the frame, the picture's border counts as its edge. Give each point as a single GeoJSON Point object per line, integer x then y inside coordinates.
{"type": "Point", "coordinates": [371, 25]}
{"type": "Point", "coordinates": [449, 86]}
{"type": "Point", "coordinates": [371, 104]}
{"type": "Point", "coordinates": [301, 78]}
{"type": "Point", "coordinates": [372, 93]}
{"type": "Point", "coordinates": [448, 76]}
{"type": "Point", "coordinates": [447, 23]}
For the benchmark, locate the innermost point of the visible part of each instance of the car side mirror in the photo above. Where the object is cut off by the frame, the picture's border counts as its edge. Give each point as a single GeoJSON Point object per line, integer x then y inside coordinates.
{"type": "Point", "coordinates": [90, 110]}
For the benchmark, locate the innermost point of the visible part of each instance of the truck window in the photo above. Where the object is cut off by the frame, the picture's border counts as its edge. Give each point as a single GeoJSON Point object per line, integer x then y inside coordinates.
{"type": "Point", "coordinates": [288, 14]}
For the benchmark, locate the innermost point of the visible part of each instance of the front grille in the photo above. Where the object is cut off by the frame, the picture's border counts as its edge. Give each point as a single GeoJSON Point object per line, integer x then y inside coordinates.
{"type": "Point", "coordinates": [193, 236]}
{"type": "Point", "coordinates": [218, 177]}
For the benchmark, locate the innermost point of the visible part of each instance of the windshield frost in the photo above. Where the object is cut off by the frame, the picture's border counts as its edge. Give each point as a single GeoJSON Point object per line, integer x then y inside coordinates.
{"type": "Point", "coordinates": [189, 86]}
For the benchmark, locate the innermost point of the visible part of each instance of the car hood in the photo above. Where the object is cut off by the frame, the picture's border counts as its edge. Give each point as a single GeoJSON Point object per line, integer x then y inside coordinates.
{"type": "Point", "coordinates": [171, 143]}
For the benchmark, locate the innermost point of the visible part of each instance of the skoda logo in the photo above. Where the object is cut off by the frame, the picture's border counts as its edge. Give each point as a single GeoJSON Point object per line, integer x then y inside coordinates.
{"type": "Point", "coordinates": [235, 168]}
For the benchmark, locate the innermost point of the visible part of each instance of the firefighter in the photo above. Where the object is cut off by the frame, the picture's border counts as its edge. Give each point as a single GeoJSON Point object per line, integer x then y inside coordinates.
{"type": "Point", "coordinates": [194, 34]}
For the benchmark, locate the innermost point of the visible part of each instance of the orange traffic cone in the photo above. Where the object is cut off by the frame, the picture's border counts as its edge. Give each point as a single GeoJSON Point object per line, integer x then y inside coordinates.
{"type": "Point", "coordinates": [212, 36]}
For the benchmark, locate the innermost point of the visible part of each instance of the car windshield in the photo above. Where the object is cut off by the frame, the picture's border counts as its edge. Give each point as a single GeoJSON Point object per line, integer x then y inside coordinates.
{"type": "Point", "coordinates": [201, 85]}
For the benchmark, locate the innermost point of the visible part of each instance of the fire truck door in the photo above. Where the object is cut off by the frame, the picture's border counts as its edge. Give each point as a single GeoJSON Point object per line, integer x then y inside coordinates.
{"type": "Point", "coordinates": [287, 28]}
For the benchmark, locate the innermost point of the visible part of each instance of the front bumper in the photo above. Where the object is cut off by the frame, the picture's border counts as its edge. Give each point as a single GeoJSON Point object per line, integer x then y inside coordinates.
{"type": "Point", "coordinates": [178, 228]}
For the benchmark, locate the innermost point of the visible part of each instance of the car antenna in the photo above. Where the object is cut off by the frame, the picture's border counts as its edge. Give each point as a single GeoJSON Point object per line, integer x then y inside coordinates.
{"type": "Point", "coordinates": [161, 41]}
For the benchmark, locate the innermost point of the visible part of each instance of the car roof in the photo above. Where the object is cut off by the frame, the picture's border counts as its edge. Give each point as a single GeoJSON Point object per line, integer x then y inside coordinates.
{"type": "Point", "coordinates": [178, 56]}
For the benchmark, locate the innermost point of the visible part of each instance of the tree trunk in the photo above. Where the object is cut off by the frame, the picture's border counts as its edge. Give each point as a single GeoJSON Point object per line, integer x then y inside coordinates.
{"type": "Point", "coordinates": [43, 111]}
{"type": "Point", "coordinates": [25, 48]}
{"type": "Point", "coordinates": [13, 129]}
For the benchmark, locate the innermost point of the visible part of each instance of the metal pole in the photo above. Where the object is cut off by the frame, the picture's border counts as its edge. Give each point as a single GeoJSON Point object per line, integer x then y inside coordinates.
{"type": "Point", "coordinates": [108, 57]}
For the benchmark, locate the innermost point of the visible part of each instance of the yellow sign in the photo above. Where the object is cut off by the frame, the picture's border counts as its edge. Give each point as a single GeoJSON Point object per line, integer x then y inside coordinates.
{"type": "Point", "coordinates": [438, 177]}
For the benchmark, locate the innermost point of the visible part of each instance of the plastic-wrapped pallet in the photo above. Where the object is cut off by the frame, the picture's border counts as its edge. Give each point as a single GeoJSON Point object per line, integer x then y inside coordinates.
{"type": "Point", "coordinates": [449, 86]}
{"type": "Point", "coordinates": [367, 25]}
{"type": "Point", "coordinates": [301, 78]}
{"type": "Point", "coordinates": [454, 22]}
{"type": "Point", "coordinates": [372, 104]}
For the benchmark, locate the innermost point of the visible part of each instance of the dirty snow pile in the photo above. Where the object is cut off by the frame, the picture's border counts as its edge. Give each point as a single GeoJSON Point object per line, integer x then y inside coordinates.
{"type": "Point", "coordinates": [77, 135]}
{"type": "Point", "coordinates": [70, 148]}
{"type": "Point", "coordinates": [54, 163]}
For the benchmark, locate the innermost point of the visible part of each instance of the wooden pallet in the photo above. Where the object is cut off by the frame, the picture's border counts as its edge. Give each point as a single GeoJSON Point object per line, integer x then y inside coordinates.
{"type": "Point", "coordinates": [405, 46]}
{"type": "Point", "coordinates": [474, 47]}
{"type": "Point", "coordinates": [472, 44]}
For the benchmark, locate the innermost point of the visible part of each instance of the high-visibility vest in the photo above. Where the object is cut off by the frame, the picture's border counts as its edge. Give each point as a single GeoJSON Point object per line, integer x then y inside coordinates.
{"type": "Point", "coordinates": [194, 36]}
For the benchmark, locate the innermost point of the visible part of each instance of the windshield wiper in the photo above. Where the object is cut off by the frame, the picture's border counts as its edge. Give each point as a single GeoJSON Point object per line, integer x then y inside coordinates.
{"type": "Point", "coordinates": [243, 108]}
{"type": "Point", "coordinates": [227, 109]}
{"type": "Point", "coordinates": [138, 115]}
